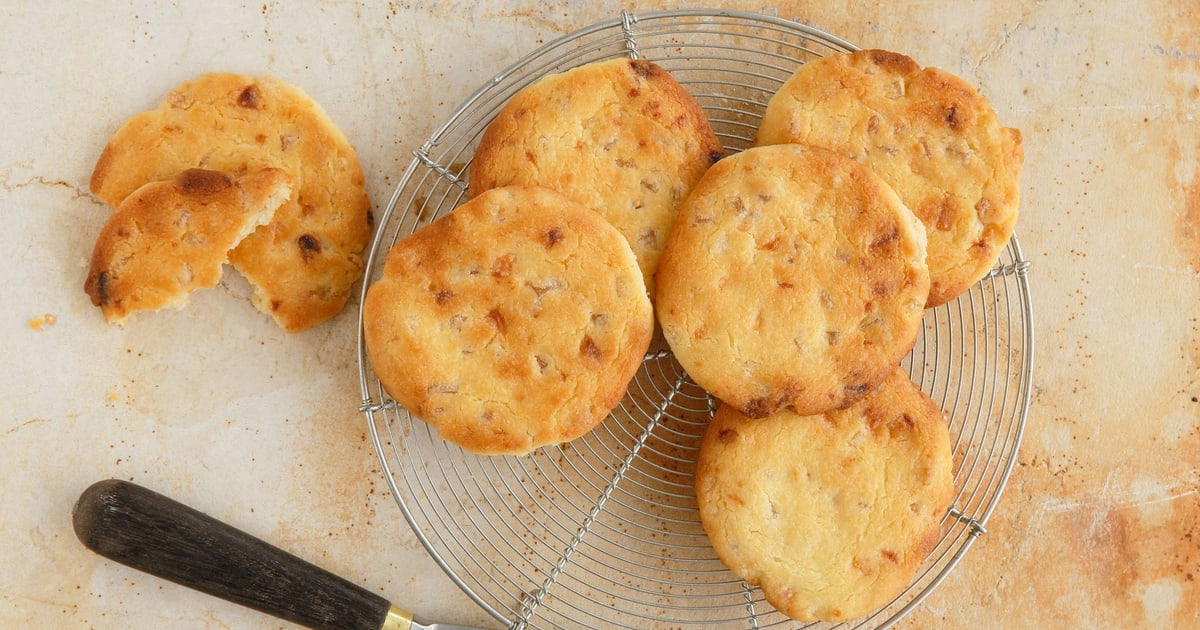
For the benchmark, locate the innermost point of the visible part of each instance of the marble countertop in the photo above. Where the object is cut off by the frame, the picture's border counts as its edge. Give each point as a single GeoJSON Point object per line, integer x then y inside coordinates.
{"type": "Point", "coordinates": [214, 405]}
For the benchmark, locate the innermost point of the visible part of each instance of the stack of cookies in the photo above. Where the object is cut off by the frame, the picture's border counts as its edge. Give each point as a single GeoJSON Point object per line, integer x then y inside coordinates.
{"type": "Point", "coordinates": [184, 179]}
{"type": "Point", "coordinates": [793, 283]}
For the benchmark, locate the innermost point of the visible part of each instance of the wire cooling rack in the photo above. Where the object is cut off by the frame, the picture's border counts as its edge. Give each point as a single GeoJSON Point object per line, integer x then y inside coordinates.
{"type": "Point", "coordinates": [603, 531]}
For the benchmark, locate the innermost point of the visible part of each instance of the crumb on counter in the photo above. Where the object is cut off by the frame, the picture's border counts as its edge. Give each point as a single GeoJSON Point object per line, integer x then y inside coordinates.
{"type": "Point", "coordinates": [42, 321]}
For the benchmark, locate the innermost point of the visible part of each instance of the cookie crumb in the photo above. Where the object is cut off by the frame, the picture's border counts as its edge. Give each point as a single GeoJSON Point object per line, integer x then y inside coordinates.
{"type": "Point", "coordinates": [40, 322]}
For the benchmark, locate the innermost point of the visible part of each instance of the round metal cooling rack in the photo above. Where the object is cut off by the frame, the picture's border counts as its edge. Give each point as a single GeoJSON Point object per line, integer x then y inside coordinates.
{"type": "Point", "coordinates": [603, 531]}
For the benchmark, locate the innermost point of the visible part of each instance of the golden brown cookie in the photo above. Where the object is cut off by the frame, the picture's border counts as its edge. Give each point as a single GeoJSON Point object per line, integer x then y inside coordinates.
{"type": "Point", "coordinates": [793, 277]}
{"type": "Point", "coordinates": [514, 322]}
{"type": "Point", "coordinates": [170, 238]}
{"type": "Point", "coordinates": [831, 515]}
{"type": "Point", "coordinates": [929, 135]}
{"type": "Point", "coordinates": [302, 264]}
{"type": "Point", "coordinates": [620, 136]}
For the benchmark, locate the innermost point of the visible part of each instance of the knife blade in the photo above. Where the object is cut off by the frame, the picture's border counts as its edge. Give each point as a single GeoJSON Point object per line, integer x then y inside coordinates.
{"type": "Point", "coordinates": [398, 618]}
{"type": "Point", "coordinates": [148, 531]}
{"type": "Point", "coordinates": [437, 626]}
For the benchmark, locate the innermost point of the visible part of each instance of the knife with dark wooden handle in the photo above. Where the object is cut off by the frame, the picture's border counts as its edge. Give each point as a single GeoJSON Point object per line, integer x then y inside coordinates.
{"type": "Point", "coordinates": [145, 530]}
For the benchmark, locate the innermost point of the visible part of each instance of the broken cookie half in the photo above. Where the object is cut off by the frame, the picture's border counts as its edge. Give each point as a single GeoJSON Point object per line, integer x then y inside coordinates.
{"type": "Point", "coordinates": [169, 238]}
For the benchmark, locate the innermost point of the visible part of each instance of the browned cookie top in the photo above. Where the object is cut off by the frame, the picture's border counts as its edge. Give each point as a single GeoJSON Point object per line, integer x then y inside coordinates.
{"type": "Point", "coordinates": [930, 135]}
{"type": "Point", "coordinates": [170, 238]}
{"type": "Point", "coordinates": [514, 322]}
{"type": "Point", "coordinates": [793, 277]}
{"type": "Point", "coordinates": [830, 514]}
{"type": "Point", "coordinates": [620, 136]}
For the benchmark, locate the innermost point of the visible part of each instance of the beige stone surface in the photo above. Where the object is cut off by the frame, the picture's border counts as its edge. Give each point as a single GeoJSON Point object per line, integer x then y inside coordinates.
{"type": "Point", "coordinates": [1100, 525]}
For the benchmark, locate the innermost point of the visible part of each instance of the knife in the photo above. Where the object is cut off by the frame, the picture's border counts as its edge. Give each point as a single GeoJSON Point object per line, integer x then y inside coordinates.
{"type": "Point", "coordinates": [145, 530]}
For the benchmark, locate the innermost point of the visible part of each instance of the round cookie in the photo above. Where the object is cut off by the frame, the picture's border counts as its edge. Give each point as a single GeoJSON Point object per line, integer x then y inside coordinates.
{"type": "Point", "coordinates": [170, 238]}
{"type": "Point", "coordinates": [620, 136]}
{"type": "Point", "coordinates": [831, 515]}
{"type": "Point", "coordinates": [929, 135]}
{"type": "Point", "coordinates": [514, 322]}
{"type": "Point", "coordinates": [793, 277]}
{"type": "Point", "coordinates": [302, 265]}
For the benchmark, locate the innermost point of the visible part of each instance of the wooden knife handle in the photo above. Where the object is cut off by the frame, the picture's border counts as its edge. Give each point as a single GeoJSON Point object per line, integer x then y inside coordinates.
{"type": "Point", "coordinates": [150, 532]}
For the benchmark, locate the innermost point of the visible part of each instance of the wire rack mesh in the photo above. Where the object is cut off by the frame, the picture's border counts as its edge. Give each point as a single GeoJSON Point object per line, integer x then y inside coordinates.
{"type": "Point", "coordinates": [603, 531]}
